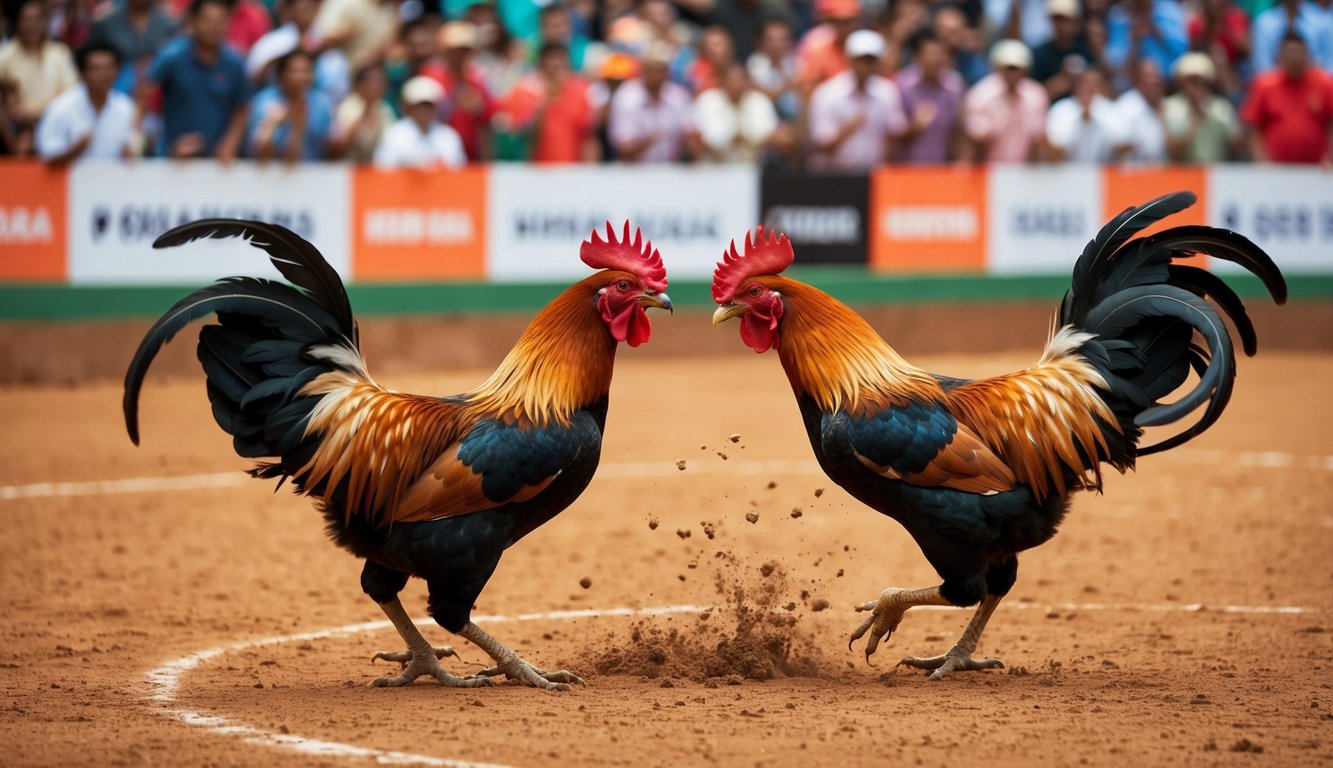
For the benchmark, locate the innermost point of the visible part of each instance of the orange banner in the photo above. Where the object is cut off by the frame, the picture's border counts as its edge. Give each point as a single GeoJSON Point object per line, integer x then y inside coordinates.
{"type": "Point", "coordinates": [418, 225]}
{"type": "Point", "coordinates": [33, 228]}
{"type": "Point", "coordinates": [1125, 187]}
{"type": "Point", "coordinates": [928, 220]}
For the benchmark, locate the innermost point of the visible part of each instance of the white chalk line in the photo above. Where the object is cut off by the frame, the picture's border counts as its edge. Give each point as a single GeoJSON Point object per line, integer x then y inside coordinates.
{"type": "Point", "coordinates": [621, 470]}
{"type": "Point", "coordinates": [164, 681]}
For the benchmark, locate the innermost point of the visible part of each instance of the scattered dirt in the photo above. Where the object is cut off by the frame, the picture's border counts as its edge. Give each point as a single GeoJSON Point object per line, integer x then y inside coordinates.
{"type": "Point", "coordinates": [585, 582]}
{"type": "Point", "coordinates": [681, 465]}
{"type": "Point", "coordinates": [796, 512]}
{"type": "Point", "coordinates": [752, 516]}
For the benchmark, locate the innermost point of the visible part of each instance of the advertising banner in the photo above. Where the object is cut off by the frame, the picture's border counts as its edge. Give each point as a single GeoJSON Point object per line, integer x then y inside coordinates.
{"type": "Point", "coordinates": [1041, 217]}
{"type": "Point", "coordinates": [823, 214]}
{"type": "Point", "coordinates": [117, 210]}
{"type": "Point", "coordinates": [538, 216]}
{"type": "Point", "coordinates": [928, 220]}
{"type": "Point", "coordinates": [410, 225]}
{"type": "Point", "coordinates": [33, 229]}
{"type": "Point", "coordinates": [1288, 211]}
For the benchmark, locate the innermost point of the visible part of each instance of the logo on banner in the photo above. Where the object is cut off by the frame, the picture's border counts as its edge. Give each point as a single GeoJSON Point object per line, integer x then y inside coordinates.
{"type": "Point", "coordinates": [130, 223]}
{"type": "Point", "coordinates": [817, 225]}
{"type": "Point", "coordinates": [537, 225]}
{"type": "Point", "coordinates": [931, 222]}
{"type": "Point", "coordinates": [23, 225]}
{"type": "Point", "coordinates": [415, 226]}
{"type": "Point", "coordinates": [1052, 221]}
{"type": "Point", "coordinates": [1292, 222]}
{"type": "Point", "coordinates": [33, 222]}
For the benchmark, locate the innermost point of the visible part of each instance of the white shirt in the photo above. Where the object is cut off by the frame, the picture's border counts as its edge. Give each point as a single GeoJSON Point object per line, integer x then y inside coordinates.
{"type": "Point", "coordinates": [405, 146]}
{"type": "Point", "coordinates": [1143, 127]}
{"type": "Point", "coordinates": [721, 121]}
{"type": "Point", "coordinates": [1086, 141]}
{"type": "Point", "coordinates": [838, 102]}
{"type": "Point", "coordinates": [71, 116]}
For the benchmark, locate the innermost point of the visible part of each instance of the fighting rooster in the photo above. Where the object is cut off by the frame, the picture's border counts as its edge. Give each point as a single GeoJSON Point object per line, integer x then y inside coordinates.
{"type": "Point", "coordinates": [432, 487]}
{"type": "Point", "coordinates": [978, 471]}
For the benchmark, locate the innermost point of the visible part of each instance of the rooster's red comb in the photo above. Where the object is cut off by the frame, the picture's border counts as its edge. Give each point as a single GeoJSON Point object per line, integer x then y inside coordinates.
{"type": "Point", "coordinates": [763, 256]}
{"type": "Point", "coordinates": [636, 256]}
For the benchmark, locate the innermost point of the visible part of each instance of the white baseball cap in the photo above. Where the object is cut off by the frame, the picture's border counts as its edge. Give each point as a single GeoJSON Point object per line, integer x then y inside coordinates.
{"type": "Point", "coordinates": [422, 90]}
{"type": "Point", "coordinates": [1066, 8]}
{"type": "Point", "coordinates": [864, 42]}
{"type": "Point", "coordinates": [1011, 53]}
{"type": "Point", "coordinates": [1194, 63]}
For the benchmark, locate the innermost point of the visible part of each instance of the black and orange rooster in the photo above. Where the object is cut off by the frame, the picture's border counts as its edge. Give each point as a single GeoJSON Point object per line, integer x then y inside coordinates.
{"type": "Point", "coordinates": [978, 471]}
{"type": "Point", "coordinates": [433, 487]}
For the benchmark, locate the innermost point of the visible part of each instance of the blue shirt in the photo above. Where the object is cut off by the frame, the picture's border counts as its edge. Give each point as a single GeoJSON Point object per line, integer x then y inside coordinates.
{"type": "Point", "coordinates": [318, 123]}
{"type": "Point", "coordinates": [1173, 39]}
{"type": "Point", "coordinates": [197, 97]}
{"type": "Point", "coordinates": [1313, 23]}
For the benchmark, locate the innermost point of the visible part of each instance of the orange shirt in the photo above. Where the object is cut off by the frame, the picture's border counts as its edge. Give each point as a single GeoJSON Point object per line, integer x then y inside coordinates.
{"type": "Point", "coordinates": [819, 56]}
{"type": "Point", "coordinates": [1292, 116]}
{"type": "Point", "coordinates": [567, 122]}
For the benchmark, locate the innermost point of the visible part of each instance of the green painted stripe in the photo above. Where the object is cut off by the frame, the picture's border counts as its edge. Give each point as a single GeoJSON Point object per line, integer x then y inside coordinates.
{"type": "Point", "coordinates": [850, 284]}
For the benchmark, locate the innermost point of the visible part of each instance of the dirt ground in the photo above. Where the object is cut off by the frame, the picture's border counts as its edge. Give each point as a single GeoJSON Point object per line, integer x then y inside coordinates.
{"type": "Point", "coordinates": [1111, 659]}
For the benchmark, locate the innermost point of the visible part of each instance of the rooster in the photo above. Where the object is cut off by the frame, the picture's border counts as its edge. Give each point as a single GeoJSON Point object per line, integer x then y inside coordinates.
{"type": "Point", "coordinates": [432, 487]}
{"type": "Point", "coordinates": [978, 471]}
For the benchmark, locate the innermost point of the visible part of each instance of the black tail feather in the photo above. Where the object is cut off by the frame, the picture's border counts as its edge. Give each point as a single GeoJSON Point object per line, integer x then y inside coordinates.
{"type": "Point", "coordinates": [1154, 320]}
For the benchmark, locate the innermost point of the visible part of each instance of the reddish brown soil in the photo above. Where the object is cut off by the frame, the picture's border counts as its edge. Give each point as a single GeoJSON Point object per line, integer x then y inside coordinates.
{"type": "Point", "coordinates": [100, 589]}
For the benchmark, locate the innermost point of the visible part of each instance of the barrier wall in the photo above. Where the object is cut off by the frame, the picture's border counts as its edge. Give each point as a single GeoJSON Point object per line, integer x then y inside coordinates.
{"type": "Point", "coordinates": [94, 224]}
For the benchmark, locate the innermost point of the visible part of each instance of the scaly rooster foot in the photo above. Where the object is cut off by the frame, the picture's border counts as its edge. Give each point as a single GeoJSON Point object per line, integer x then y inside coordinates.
{"type": "Point", "coordinates": [886, 614]}
{"type": "Point", "coordinates": [425, 664]}
{"type": "Point", "coordinates": [523, 673]}
{"type": "Point", "coordinates": [956, 660]}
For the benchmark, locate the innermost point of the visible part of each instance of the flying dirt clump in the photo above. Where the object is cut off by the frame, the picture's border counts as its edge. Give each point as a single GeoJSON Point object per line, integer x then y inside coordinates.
{"type": "Point", "coordinates": [761, 643]}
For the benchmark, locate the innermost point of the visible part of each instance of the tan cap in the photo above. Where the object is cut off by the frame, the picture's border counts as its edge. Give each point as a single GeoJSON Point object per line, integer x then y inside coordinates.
{"type": "Point", "coordinates": [1194, 63]}
{"type": "Point", "coordinates": [1010, 53]}
{"type": "Point", "coordinates": [459, 34]}
{"type": "Point", "coordinates": [1066, 8]}
{"type": "Point", "coordinates": [422, 90]}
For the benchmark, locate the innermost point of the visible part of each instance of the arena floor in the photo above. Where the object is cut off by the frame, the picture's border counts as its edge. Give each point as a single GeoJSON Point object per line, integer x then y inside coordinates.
{"type": "Point", "coordinates": [160, 608]}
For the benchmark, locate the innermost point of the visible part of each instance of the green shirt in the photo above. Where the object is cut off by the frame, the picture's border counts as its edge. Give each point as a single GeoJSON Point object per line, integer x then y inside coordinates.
{"type": "Point", "coordinates": [1217, 128]}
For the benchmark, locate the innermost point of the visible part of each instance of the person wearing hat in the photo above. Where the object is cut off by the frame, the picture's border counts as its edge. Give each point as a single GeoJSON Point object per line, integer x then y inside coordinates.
{"type": "Point", "coordinates": [469, 107]}
{"type": "Point", "coordinates": [651, 118]}
{"type": "Point", "coordinates": [1201, 126]}
{"type": "Point", "coordinates": [419, 139]}
{"type": "Point", "coordinates": [1056, 62]}
{"type": "Point", "coordinates": [855, 115]}
{"type": "Point", "coordinates": [1004, 114]}
{"type": "Point", "coordinates": [821, 52]}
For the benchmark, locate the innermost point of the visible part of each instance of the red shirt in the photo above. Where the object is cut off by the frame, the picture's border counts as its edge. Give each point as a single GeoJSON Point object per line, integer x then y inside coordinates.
{"type": "Point", "coordinates": [1292, 115]}
{"type": "Point", "coordinates": [469, 120]}
{"type": "Point", "coordinates": [568, 121]}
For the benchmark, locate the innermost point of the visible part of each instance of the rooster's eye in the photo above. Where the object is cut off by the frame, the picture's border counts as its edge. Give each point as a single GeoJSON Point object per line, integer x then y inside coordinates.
{"type": "Point", "coordinates": [754, 290]}
{"type": "Point", "coordinates": [623, 285]}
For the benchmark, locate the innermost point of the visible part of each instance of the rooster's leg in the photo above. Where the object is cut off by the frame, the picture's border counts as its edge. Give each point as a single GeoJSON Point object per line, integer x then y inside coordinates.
{"type": "Point", "coordinates": [959, 657]}
{"type": "Point", "coordinates": [886, 613]}
{"type": "Point", "coordinates": [420, 659]}
{"type": "Point", "coordinates": [509, 664]}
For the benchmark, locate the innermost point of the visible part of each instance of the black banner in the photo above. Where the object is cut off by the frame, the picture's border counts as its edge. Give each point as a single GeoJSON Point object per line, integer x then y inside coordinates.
{"type": "Point", "coordinates": [825, 215]}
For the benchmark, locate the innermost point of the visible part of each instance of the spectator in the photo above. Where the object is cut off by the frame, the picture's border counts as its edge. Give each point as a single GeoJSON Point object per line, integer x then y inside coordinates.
{"type": "Point", "coordinates": [36, 66]}
{"type": "Point", "coordinates": [417, 49]}
{"type": "Point", "coordinates": [250, 21]}
{"type": "Point", "coordinates": [1137, 29]}
{"type": "Point", "coordinates": [419, 139]}
{"type": "Point", "coordinates": [716, 53]}
{"type": "Point", "coordinates": [203, 88]}
{"type": "Point", "coordinates": [1140, 114]}
{"type": "Point", "coordinates": [772, 67]}
{"type": "Point", "coordinates": [553, 108]}
{"type": "Point", "coordinates": [1084, 127]}
{"type": "Point", "coordinates": [1201, 127]}
{"type": "Point", "coordinates": [297, 31]}
{"type": "Point", "coordinates": [1004, 115]}
{"type": "Point", "coordinates": [554, 25]}
{"type": "Point", "coordinates": [1025, 20]}
{"type": "Point", "coordinates": [137, 30]}
{"type": "Point", "coordinates": [821, 52]}
{"type": "Point", "coordinates": [1290, 109]}
{"type": "Point", "coordinates": [617, 69]}
{"type": "Point", "coordinates": [736, 122]}
{"type": "Point", "coordinates": [503, 58]}
{"type": "Point", "coordinates": [1056, 62]}
{"type": "Point", "coordinates": [650, 115]}
{"type": "Point", "coordinates": [1222, 30]}
{"type": "Point", "coordinates": [91, 120]}
{"type": "Point", "coordinates": [363, 116]}
{"type": "Point", "coordinates": [963, 42]}
{"type": "Point", "coordinates": [746, 20]}
{"type": "Point", "coordinates": [854, 115]}
{"type": "Point", "coordinates": [71, 22]}
{"type": "Point", "coordinates": [361, 29]}
{"type": "Point", "coordinates": [291, 119]}
{"type": "Point", "coordinates": [1304, 17]}
{"type": "Point", "coordinates": [469, 106]}
{"type": "Point", "coordinates": [932, 95]}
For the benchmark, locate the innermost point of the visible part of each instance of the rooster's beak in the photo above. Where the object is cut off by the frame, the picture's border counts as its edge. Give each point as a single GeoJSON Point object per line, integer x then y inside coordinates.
{"type": "Point", "coordinates": [727, 311]}
{"type": "Point", "coordinates": [656, 300]}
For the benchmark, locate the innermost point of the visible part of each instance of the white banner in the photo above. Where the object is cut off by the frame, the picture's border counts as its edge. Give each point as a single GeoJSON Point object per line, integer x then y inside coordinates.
{"type": "Point", "coordinates": [538, 216]}
{"type": "Point", "coordinates": [1041, 217]}
{"type": "Point", "coordinates": [117, 210]}
{"type": "Point", "coordinates": [1287, 211]}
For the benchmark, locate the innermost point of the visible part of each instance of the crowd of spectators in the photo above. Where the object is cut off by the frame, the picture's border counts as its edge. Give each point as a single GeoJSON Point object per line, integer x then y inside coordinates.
{"type": "Point", "coordinates": [818, 84]}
